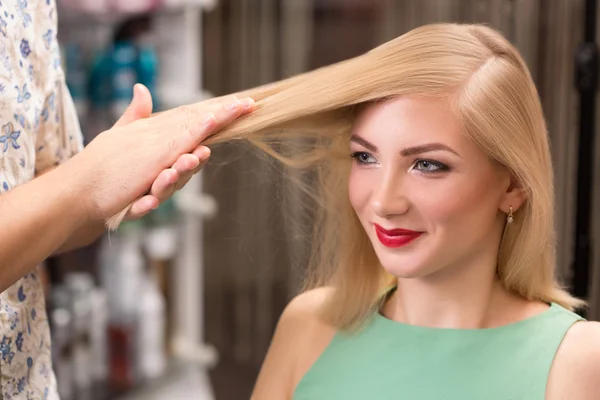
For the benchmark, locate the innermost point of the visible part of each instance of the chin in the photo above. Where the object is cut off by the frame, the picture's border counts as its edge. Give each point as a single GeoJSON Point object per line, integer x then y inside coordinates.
{"type": "Point", "coordinates": [408, 265]}
{"type": "Point", "coordinates": [408, 262]}
{"type": "Point", "coordinates": [405, 271]}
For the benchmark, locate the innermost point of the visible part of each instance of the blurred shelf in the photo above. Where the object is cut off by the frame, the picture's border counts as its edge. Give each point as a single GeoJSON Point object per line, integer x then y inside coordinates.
{"type": "Point", "coordinates": [179, 4]}
{"type": "Point", "coordinates": [183, 381]}
{"type": "Point", "coordinates": [69, 16]}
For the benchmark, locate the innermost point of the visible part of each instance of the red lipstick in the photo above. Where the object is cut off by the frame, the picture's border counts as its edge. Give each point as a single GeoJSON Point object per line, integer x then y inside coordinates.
{"type": "Point", "coordinates": [395, 237]}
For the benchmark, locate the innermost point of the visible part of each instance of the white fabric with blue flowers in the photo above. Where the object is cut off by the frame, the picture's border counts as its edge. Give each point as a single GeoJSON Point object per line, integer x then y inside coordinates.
{"type": "Point", "coordinates": [39, 129]}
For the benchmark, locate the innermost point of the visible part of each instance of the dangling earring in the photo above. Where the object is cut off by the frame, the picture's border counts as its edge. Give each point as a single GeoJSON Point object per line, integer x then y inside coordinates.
{"type": "Point", "coordinates": [509, 218]}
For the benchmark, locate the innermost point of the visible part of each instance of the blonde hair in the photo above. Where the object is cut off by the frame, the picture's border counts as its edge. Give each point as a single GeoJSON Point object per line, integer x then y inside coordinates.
{"type": "Point", "coordinates": [492, 92]}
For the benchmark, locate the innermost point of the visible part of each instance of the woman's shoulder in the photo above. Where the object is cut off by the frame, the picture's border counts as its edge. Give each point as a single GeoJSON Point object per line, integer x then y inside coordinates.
{"type": "Point", "coordinates": [303, 311]}
{"type": "Point", "coordinates": [312, 334]}
{"type": "Point", "coordinates": [306, 305]}
{"type": "Point", "coordinates": [299, 339]}
{"type": "Point", "coordinates": [575, 373]}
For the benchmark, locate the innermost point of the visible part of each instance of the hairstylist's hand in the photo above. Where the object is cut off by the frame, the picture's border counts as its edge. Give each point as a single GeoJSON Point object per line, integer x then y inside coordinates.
{"type": "Point", "coordinates": [169, 180]}
{"type": "Point", "coordinates": [147, 157]}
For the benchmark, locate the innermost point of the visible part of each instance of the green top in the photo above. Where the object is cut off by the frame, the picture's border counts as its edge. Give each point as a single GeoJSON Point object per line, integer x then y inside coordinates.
{"type": "Point", "coordinates": [391, 360]}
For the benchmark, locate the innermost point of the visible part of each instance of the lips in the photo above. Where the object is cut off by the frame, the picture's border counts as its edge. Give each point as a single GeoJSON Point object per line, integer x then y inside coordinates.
{"type": "Point", "coordinates": [395, 237]}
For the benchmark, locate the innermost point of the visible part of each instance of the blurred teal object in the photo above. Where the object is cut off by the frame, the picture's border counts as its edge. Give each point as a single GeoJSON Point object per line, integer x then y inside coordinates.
{"type": "Point", "coordinates": [123, 75]}
{"type": "Point", "coordinates": [76, 76]}
{"type": "Point", "coordinates": [147, 70]}
{"type": "Point", "coordinates": [165, 214]}
{"type": "Point", "coordinates": [99, 84]}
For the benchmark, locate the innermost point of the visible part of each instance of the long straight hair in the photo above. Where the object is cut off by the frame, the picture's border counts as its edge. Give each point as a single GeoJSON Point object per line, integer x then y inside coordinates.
{"type": "Point", "coordinates": [491, 90]}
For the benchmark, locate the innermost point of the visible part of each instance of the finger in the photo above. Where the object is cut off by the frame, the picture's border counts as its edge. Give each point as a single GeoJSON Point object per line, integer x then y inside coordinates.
{"type": "Point", "coordinates": [247, 106]}
{"type": "Point", "coordinates": [164, 184]}
{"type": "Point", "coordinates": [230, 108]}
{"type": "Point", "coordinates": [183, 180]}
{"type": "Point", "coordinates": [186, 163]}
{"type": "Point", "coordinates": [203, 154]}
{"type": "Point", "coordinates": [142, 206]}
{"type": "Point", "coordinates": [140, 107]}
{"type": "Point", "coordinates": [218, 100]}
{"type": "Point", "coordinates": [194, 124]}
{"type": "Point", "coordinates": [257, 92]}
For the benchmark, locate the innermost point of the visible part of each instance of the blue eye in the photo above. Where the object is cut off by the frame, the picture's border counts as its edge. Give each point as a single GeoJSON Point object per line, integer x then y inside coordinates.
{"type": "Point", "coordinates": [430, 166]}
{"type": "Point", "coordinates": [362, 157]}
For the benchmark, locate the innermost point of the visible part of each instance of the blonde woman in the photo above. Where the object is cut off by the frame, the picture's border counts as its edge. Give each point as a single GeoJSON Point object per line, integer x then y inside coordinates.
{"type": "Point", "coordinates": [434, 245]}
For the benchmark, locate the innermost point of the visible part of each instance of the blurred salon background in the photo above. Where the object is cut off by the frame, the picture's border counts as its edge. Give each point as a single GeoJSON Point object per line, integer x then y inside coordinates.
{"type": "Point", "coordinates": [182, 304]}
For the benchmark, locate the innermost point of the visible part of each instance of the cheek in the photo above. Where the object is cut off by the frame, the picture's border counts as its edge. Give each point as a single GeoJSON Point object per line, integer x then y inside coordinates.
{"type": "Point", "coordinates": [358, 190]}
{"type": "Point", "coordinates": [470, 203]}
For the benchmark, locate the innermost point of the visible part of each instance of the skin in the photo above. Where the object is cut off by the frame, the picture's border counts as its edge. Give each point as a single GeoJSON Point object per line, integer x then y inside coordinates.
{"type": "Point", "coordinates": [459, 200]}
{"type": "Point", "coordinates": [168, 182]}
{"type": "Point", "coordinates": [142, 160]}
{"type": "Point", "coordinates": [414, 169]}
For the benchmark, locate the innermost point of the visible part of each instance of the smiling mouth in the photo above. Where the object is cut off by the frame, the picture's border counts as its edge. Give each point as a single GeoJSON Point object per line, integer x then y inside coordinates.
{"type": "Point", "coordinates": [395, 237]}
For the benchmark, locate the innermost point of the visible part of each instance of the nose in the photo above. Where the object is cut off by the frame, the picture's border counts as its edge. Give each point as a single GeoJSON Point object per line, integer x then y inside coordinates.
{"type": "Point", "coordinates": [389, 198]}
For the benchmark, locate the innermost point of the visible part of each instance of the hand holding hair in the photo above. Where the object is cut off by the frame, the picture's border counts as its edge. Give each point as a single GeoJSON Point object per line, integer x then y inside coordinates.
{"type": "Point", "coordinates": [143, 159]}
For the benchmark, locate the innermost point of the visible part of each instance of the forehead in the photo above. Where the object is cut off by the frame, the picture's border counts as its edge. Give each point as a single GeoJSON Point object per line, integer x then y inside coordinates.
{"type": "Point", "coordinates": [410, 119]}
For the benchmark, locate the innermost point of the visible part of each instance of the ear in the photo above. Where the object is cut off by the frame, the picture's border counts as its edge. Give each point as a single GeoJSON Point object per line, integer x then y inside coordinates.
{"type": "Point", "coordinates": [513, 197]}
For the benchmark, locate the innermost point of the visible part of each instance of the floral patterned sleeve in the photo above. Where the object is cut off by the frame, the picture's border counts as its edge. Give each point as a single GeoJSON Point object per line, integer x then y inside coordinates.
{"type": "Point", "coordinates": [59, 135]}
{"type": "Point", "coordinates": [58, 131]}
{"type": "Point", "coordinates": [38, 130]}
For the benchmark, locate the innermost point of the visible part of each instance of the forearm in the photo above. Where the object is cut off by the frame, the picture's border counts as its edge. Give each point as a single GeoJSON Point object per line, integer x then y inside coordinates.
{"type": "Point", "coordinates": [37, 219]}
{"type": "Point", "coordinates": [84, 236]}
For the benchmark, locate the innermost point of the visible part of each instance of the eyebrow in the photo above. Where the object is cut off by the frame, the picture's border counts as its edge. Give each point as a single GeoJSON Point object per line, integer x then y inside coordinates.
{"type": "Point", "coordinates": [407, 152]}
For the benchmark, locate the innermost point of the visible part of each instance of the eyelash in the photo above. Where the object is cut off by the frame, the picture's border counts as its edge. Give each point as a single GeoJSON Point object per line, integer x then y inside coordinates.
{"type": "Point", "coordinates": [440, 167]}
{"type": "Point", "coordinates": [356, 156]}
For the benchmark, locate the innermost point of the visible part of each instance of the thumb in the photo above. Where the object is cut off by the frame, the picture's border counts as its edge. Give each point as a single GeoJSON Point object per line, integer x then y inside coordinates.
{"type": "Point", "coordinates": [140, 107]}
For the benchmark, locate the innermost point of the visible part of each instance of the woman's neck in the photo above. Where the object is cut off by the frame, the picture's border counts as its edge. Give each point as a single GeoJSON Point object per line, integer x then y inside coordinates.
{"type": "Point", "coordinates": [466, 297]}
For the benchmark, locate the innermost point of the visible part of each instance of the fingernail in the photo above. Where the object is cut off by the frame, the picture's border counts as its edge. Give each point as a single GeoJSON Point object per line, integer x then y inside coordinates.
{"type": "Point", "coordinates": [136, 90]}
{"type": "Point", "coordinates": [233, 106]}
{"type": "Point", "coordinates": [247, 103]}
{"type": "Point", "coordinates": [204, 153]}
{"type": "Point", "coordinates": [209, 119]}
